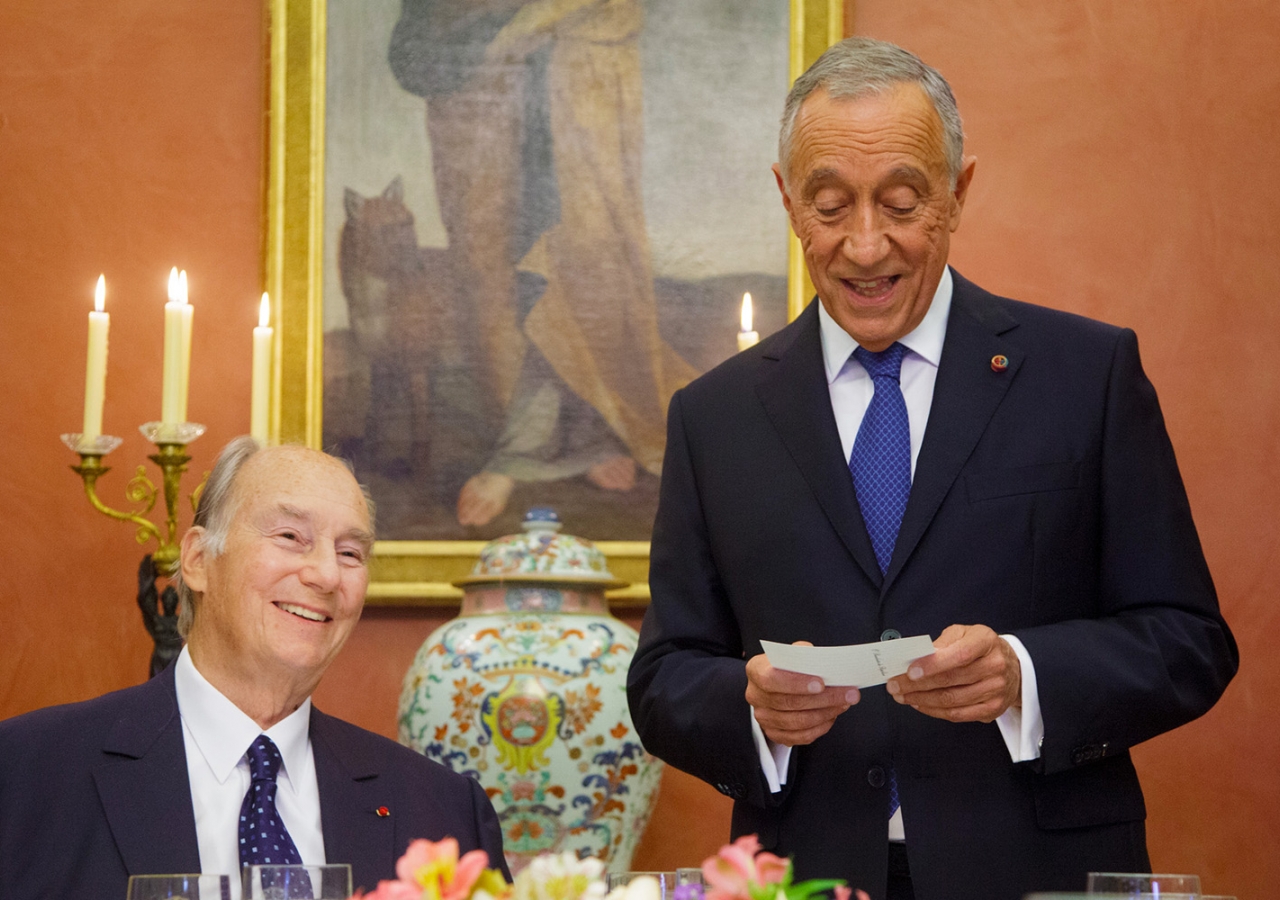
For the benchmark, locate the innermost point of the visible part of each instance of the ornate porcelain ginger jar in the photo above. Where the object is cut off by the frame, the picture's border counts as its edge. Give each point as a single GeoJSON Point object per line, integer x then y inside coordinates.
{"type": "Point", "coordinates": [526, 692]}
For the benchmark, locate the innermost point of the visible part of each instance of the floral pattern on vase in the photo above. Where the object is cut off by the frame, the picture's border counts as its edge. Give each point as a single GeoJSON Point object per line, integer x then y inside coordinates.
{"type": "Point", "coordinates": [526, 692]}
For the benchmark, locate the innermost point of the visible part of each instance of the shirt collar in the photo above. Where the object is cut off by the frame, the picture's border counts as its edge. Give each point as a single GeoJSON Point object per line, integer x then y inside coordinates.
{"type": "Point", "coordinates": [925, 339]}
{"type": "Point", "coordinates": [223, 732]}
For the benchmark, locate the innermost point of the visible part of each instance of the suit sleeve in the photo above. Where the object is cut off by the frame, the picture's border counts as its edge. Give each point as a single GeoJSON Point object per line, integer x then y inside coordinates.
{"type": "Point", "coordinates": [489, 828]}
{"type": "Point", "coordinates": [687, 682]}
{"type": "Point", "coordinates": [1157, 653]}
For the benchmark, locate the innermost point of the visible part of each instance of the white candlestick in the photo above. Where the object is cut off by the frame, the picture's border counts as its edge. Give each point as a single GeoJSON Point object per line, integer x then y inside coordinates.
{"type": "Point", "coordinates": [260, 396]}
{"type": "Point", "coordinates": [95, 372]}
{"type": "Point", "coordinates": [177, 352]}
{"type": "Point", "coordinates": [188, 311]}
{"type": "Point", "coordinates": [747, 337]}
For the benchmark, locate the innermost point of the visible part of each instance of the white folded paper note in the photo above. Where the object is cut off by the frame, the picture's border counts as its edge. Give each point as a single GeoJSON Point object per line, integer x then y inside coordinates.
{"type": "Point", "coordinates": [857, 665]}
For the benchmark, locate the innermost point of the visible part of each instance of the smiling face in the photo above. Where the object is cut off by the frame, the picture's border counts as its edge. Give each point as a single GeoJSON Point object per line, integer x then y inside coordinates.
{"type": "Point", "coordinates": [870, 197]}
{"type": "Point", "coordinates": [277, 604]}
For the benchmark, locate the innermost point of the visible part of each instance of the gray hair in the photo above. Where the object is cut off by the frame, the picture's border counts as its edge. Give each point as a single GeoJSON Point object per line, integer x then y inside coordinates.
{"type": "Point", "coordinates": [860, 66]}
{"type": "Point", "coordinates": [215, 512]}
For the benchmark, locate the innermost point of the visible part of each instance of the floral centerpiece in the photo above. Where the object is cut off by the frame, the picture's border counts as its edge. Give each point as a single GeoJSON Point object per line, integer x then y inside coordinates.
{"type": "Point", "coordinates": [739, 871]}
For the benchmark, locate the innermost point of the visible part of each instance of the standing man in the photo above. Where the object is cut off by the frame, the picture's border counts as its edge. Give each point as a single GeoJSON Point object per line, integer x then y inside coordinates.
{"type": "Point", "coordinates": [914, 455]}
{"type": "Point", "coordinates": [158, 778]}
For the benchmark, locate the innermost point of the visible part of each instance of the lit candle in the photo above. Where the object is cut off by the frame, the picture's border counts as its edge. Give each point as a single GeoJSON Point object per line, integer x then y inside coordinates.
{"type": "Point", "coordinates": [260, 397]}
{"type": "Point", "coordinates": [177, 351]}
{"type": "Point", "coordinates": [747, 337]}
{"type": "Point", "coordinates": [186, 343]}
{"type": "Point", "coordinates": [95, 372]}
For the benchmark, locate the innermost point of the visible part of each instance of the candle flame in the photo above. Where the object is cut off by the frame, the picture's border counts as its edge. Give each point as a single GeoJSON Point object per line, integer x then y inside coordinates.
{"type": "Point", "coordinates": [264, 311]}
{"type": "Point", "coordinates": [747, 316]}
{"type": "Point", "coordinates": [100, 293]}
{"type": "Point", "coordinates": [182, 287]}
{"type": "Point", "coordinates": [173, 285]}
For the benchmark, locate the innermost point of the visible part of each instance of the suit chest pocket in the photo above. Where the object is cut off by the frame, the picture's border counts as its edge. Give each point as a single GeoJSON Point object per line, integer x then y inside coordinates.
{"type": "Point", "coordinates": [992, 484]}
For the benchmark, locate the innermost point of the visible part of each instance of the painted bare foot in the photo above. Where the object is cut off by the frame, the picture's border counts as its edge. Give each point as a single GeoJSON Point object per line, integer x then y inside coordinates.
{"type": "Point", "coordinates": [483, 497]}
{"type": "Point", "coordinates": [617, 473]}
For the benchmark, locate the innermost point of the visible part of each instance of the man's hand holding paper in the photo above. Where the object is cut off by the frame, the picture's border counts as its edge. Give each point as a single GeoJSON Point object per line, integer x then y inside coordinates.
{"type": "Point", "coordinates": [974, 676]}
{"type": "Point", "coordinates": [794, 708]}
{"type": "Point", "coordinates": [970, 674]}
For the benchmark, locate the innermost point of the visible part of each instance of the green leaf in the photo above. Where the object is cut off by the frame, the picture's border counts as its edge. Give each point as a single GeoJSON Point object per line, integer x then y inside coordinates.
{"type": "Point", "coordinates": [806, 889]}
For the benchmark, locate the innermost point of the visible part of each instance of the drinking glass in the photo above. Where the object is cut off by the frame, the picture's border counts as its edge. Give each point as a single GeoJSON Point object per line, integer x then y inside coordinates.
{"type": "Point", "coordinates": [1137, 884]}
{"type": "Point", "coordinates": [297, 882]}
{"type": "Point", "coordinates": [179, 887]}
{"type": "Point", "coordinates": [666, 881]}
{"type": "Point", "coordinates": [690, 885]}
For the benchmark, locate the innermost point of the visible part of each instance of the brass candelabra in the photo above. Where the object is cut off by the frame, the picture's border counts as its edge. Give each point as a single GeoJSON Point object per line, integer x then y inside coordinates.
{"type": "Point", "coordinates": [171, 440]}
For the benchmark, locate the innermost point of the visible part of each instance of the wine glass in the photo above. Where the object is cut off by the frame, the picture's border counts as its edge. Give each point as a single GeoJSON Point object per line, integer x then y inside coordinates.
{"type": "Point", "coordinates": [331, 882]}
{"type": "Point", "coordinates": [690, 885]}
{"type": "Point", "coordinates": [666, 881]}
{"type": "Point", "coordinates": [179, 887]}
{"type": "Point", "coordinates": [1139, 884]}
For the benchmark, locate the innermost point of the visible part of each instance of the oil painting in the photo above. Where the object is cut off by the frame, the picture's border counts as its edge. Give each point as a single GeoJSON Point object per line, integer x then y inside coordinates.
{"type": "Point", "coordinates": [540, 219]}
{"type": "Point", "coordinates": [501, 234]}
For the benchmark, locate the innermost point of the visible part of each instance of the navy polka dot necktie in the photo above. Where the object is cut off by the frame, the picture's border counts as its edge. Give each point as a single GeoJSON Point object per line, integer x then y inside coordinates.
{"type": "Point", "coordinates": [881, 467]}
{"type": "Point", "coordinates": [881, 459]}
{"type": "Point", "coordinates": [263, 837]}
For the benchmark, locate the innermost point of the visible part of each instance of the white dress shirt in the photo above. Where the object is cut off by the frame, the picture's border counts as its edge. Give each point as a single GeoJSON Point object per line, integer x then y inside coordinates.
{"type": "Point", "coordinates": [217, 735]}
{"type": "Point", "coordinates": [851, 389]}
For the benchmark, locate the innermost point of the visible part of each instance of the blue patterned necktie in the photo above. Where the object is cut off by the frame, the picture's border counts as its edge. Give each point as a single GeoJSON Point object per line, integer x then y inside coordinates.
{"type": "Point", "coordinates": [881, 466]}
{"type": "Point", "coordinates": [881, 457]}
{"type": "Point", "coordinates": [263, 837]}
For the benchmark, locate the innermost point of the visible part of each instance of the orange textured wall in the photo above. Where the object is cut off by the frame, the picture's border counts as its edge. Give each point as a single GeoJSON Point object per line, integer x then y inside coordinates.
{"type": "Point", "coordinates": [131, 140]}
{"type": "Point", "coordinates": [1126, 171]}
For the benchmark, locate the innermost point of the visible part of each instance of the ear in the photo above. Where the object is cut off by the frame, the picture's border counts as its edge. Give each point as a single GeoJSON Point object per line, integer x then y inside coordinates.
{"type": "Point", "coordinates": [963, 180]}
{"type": "Point", "coordinates": [194, 560]}
{"type": "Point", "coordinates": [786, 198]}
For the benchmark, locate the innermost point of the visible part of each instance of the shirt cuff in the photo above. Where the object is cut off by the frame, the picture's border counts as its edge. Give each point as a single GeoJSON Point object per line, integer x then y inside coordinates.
{"type": "Point", "coordinates": [1023, 729]}
{"type": "Point", "coordinates": [774, 758]}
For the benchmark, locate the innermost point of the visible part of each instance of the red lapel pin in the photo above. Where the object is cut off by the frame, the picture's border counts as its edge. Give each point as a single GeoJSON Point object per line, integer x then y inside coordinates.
{"type": "Point", "coordinates": [383, 812]}
{"type": "Point", "coordinates": [999, 362]}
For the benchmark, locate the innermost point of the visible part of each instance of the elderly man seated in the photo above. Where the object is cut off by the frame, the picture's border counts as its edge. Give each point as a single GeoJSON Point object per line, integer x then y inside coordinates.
{"type": "Point", "coordinates": [158, 778]}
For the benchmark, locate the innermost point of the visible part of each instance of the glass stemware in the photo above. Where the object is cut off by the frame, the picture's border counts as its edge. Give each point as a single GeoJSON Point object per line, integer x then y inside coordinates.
{"type": "Point", "coordinates": [332, 882]}
{"type": "Point", "coordinates": [179, 887]}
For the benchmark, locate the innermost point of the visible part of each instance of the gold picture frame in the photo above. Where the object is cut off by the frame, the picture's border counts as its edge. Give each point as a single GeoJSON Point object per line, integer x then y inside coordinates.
{"type": "Point", "coordinates": [404, 573]}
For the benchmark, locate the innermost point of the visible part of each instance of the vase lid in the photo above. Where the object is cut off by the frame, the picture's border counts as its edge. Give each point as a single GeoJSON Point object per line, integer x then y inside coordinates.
{"type": "Point", "coordinates": [540, 554]}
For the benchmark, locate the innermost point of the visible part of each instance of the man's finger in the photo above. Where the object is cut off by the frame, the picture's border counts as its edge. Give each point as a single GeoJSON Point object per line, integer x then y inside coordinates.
{"type": "Point", "coordinates": [956, 647]}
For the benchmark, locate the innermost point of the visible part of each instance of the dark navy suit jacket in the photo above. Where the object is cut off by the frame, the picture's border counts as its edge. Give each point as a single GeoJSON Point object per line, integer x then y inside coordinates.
{"type": "Point", "coordinates": [1046, 503]}
{"type": "Point", "coordinates": [93, 792]}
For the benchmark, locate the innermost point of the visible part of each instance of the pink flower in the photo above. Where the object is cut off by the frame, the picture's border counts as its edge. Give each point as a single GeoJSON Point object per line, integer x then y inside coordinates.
{"type": "Point", "coordinates": [433, 871]}
{"type": "Point", "coordinates": [731, 872]}
{"type": "Point", "coordinates": [394, 890]}
{"type": "Point", "coordinates": [771, 869]}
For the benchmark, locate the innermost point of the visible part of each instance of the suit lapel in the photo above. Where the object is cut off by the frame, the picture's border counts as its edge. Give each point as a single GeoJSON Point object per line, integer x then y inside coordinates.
{"type": "Point", "coordinates": [794, 393]}
{"type": "Point", "coordinates": [143, 784]}
{"type": "Point", "coordinates": [351, 793]}
{"type": "Point", "coordinates": [965, 397]}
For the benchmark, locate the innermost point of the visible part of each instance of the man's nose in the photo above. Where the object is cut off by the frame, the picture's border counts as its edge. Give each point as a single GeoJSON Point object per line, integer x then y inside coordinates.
{"type": "Point", "coordinates": [321, 569]}
{"type": "Point", "coordinates": [866, 241]}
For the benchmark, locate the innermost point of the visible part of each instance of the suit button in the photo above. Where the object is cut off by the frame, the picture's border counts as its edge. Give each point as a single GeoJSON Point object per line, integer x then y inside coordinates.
{"type": "Point", "coordinates": [1087, 753]}
{"type": "Point", "coordinates": [875, 777]}
{"type": "Point", "coordinates": [890, 634]}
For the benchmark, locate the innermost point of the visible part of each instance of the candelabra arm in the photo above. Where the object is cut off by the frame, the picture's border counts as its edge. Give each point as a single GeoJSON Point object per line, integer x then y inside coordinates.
{"type": "Point", "coordinates": [172, 460]}
{"type": "Point", "coordinates": [91, 469]}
